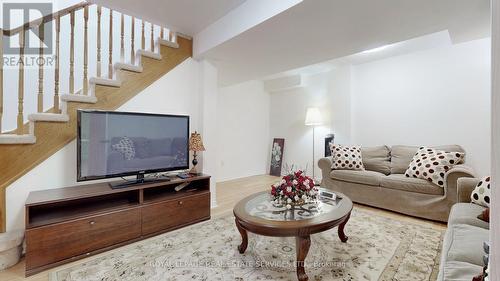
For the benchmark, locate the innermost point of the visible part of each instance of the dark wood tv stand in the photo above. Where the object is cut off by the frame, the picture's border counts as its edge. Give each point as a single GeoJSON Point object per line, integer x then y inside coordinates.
{"type": "Point", "coordinates": [66, 224]}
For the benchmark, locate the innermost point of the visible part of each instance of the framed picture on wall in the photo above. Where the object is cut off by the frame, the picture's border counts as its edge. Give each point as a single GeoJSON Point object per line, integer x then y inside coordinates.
{"type": "Point", "coordinates": [277, 157]}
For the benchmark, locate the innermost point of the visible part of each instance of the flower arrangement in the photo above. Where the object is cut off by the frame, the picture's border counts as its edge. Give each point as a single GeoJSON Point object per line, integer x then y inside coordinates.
{"type": "Point", "coordinates": [294, 189]}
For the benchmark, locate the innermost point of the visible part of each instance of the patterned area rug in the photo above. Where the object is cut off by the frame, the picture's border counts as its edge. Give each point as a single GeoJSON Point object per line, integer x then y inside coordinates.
{"type": "Point", "coordinates": [378, 249]}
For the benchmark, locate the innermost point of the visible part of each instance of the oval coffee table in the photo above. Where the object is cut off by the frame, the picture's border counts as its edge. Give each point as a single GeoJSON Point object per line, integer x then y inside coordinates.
{"type": "Point", "coordinates": [257, 214]}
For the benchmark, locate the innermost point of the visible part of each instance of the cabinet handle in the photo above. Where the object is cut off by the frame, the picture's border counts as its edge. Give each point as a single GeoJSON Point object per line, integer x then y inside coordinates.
{"type": "Point", "coordinates": [180, 202]}
{"type": "Point", "coordinates": [92, 222]}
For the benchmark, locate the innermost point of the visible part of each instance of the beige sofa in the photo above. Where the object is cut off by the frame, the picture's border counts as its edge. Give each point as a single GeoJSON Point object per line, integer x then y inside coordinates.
{"type": "Point", "coordinates": [384, 185]}
{"type": "Point", "coordinates": [462, 252]}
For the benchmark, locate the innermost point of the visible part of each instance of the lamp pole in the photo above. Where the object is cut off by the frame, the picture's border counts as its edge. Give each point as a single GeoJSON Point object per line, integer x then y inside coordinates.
{"type": "Point", "coordinates": [314, 178]}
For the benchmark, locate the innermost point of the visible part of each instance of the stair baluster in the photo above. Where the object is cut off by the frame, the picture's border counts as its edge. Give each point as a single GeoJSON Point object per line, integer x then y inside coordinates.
{"type": "Point", "coordinates": [20, 97]}
{"type": "Point", "coordinates": [110, 65]}
{"type": "Point", "coordinates": [56, 70]}
{"type": "Point", "coordinates": [132, 39]}
{"type": "Point", "coordinates": [161, 32]}
{"type": "Point", "coordinates": [85, 51]}
{"type": "Point", "coordinates": [122, 47]}
{"type": "Point", "coordinates": [171, 36]}
{"type": "Point", "coordinates": [72, 55]}
{"type": "Point", "coordinates": [1, 79]}
{"type": "Point", "coordinates": [143, 38]}
{"type": "Point", "coordinates": [41, 35]}
{"type": "Point", "coordinates": [152, 37]}
{"type": "Point", "coordinates": [99, 13]}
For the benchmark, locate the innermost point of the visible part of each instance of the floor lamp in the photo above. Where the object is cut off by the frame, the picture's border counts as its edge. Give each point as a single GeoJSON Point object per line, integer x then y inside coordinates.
{"type": "Point", "coordinates": [313, 118]}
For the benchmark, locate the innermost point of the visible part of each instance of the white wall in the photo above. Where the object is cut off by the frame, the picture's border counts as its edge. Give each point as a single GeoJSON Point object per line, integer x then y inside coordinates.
{"type": "Point", "coordinates": [243, 141]}
{"type": "Point", "coordinates": [495, 117]}
{"type": "Point", "coordinates": [330, 92]}
{"type": "Point", "coordinates": [177, 92]}
{"type": "Point", "coordinates": [207, 108]}
{"type": "Point", "coordinates": [437, 96]}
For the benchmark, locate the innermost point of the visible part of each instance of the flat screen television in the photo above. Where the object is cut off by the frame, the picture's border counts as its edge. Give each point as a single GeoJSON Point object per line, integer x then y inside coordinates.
{"type": "Point", "coordinates": [117, 144]}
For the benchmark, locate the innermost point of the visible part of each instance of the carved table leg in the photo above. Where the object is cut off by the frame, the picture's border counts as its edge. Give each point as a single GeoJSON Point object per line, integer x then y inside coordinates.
{"type": "Point", "coordinates": [244, 238]}
{"type": "Point", "coordinates": [303, 244]}
{"type": "Point", "coordinates": [342, 235]}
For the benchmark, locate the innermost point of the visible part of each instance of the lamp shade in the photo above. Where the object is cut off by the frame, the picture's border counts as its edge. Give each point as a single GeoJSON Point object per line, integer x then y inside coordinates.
{"type": "Point", "coordinates": [313, 117]}
{"type": "Point", "coordinates": [195, 142]}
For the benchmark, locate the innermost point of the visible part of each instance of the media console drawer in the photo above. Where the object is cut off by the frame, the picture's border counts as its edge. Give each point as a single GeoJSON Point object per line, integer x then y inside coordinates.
{"type": "Point", "coordinates": [169, 214]}
{"type": "Point", "coordinates": [53, 243]}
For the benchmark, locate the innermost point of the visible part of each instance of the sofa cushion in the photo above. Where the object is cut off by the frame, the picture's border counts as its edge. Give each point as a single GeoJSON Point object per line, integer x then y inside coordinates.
{"type": "Point", "coordinates": [377, 158]}
{"type": "Point", "coordinates": [464, 243]}
{"type": "Point", "coordinates": [346, 157]}
{"type": "Point", "coordinates": [432, 164]}
{"type": "Point", "coordinates": [401, 155]}
{"type": "Point", "coordinates": [401, 182]}
{"type": "Point", "coordinates": [482, 193]}
{"type": "Point", "coordinates": [458, 271]}
{"type": "Point", "coordinates": [363, 177]}
{"type": "Point", "coordinates": [466, 213]}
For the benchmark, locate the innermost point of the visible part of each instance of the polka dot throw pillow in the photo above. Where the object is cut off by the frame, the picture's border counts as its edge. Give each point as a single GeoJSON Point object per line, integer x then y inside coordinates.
{"type": "Point", "coordinates": [482, 193]}
{"type": "Point", "coordinates": [432, 165]}
{"type": "Point", "coordinates": [346, 157]}
{"type": "Point", "coordinates": [126, 147]}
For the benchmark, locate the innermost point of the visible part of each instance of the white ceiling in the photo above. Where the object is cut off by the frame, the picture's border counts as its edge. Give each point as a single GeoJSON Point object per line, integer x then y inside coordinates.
{"type": "Point", "coordinates": [185, 16]}
{"type": "Point", "coordinates": [318, 30]}
{"type": "Point", "coordinates": [429, 41]}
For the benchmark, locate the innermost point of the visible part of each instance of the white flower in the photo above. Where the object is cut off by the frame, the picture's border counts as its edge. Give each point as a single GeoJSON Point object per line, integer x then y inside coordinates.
{"type": "Point", "coordinates": [304, 197]}
{"type": "Point", "coordinates": [276, 201]}
{"type": "Point", "coordinates": [306, 183]}
{"type": "Point", "coordinates": [288, 189]}
{"type": "Point", "coordinates": [282, 182]}
{"type": "Point", "coordinates": [295, 182]}
{"type": "Point", "coordinates": [296, 198]}
{"type": "Point", "coordinates": [281, 192]}
{"type": "Point", "coordinates": [288, 206]}
{"type": "Point", "coordinates": [289, 200]}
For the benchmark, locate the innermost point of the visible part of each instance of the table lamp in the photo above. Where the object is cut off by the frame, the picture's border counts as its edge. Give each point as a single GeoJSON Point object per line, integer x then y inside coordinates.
{"type": "Point", "coordinates": [195, 145]}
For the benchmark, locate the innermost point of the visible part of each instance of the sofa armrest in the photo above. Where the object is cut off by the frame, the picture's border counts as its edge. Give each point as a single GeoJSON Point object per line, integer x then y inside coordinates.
{"type": "Point", "coordinates": [325, 164]}
{"type": "Point", "coordinates": [465, 186]}
{"type": "Point", "coordinates": [451, 178]}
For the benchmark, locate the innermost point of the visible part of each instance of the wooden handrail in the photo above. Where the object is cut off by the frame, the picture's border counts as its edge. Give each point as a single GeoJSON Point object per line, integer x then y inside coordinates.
{"type": "Point", "coordinates": [47, 18]}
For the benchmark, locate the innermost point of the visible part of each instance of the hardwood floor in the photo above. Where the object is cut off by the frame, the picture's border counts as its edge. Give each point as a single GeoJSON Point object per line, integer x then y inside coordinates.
{"type": "Point", "coordinates": [228, 194]}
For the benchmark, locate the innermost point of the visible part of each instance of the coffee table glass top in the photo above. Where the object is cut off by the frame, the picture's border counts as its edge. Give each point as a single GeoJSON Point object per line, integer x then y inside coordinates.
{"type": "Point", "coordinates": [263, 207]}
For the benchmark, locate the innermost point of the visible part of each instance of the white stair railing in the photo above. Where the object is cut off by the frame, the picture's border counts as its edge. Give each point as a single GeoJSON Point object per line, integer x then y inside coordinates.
{"type": "Point", "coordinates": [73, 59]}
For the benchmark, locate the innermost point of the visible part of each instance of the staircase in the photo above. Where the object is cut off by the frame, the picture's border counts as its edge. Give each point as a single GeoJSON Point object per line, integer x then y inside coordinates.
{"type": "Point", "coordinates": [141, 61]}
